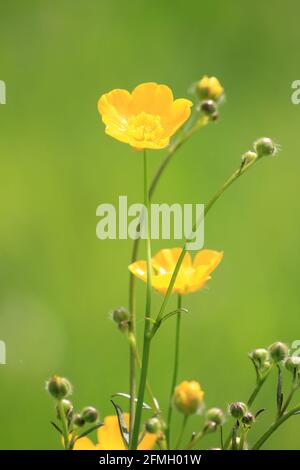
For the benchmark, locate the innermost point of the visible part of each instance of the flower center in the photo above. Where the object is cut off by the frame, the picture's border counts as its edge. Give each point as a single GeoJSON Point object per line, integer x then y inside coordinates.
{"type": "Point", "coordinates": [145, 126]}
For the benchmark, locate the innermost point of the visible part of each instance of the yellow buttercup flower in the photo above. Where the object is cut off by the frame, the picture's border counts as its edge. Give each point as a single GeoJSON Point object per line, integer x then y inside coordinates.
{"type": "Point", "coordinates": [109, 437]}
{"type": "Point", "coordinates": [145, 118]}
{"type": "Point", "coordinates": [210, 88]}
{"type": "Point", "coordinates": [188, 397]}
{"type": "Point", "coordinates": [192, 276]}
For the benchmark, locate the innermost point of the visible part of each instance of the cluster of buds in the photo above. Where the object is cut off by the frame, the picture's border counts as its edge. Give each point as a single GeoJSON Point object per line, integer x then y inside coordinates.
{"type": "Point", "coordinates": [60, 389]}
{"type": "Point", "coordinates": [210, 93]}
{"type": "Point", "coordinates": [263, 359]}
{"type": "Point", "coordinates": [240, 412]}
{"type": "Point", "coordinates": [263, 147]}
{"type": "Point", "coordinates": [121, 317]}
{"type": "Point", "coordinates": [188, 397]}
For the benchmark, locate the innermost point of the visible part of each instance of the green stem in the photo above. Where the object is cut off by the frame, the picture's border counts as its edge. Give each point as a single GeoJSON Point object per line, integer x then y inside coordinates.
{"type": "Point", "coordinates": [210, 204]}
{"type": "Point", "coordinates": [258, 386]}
{"type": "Point", "coordinates": [175, 368]}
{"type": "Point", "coordinates": [64, 423]}
{"type": "Point", "coordinates": [179, 439]}
{"type": "Point", "coordinates": [154, 404]}
{"type": "Point", "coordinates": [243, 439]}
{"type": "Point", "coordinates": [294, 387]}
{"type": "Point", "coordinates": [275, 426]}
{"type": "Point", "coordinates": [147, 328]}
{"type": "Point", "coordinates": [201, 122]}
{"type": "Point", "coordinates": [195, 440]}
{"type": "Point", "coordinates": [256, 391]}
{"type": "Point", "coordinates": [132, 368]}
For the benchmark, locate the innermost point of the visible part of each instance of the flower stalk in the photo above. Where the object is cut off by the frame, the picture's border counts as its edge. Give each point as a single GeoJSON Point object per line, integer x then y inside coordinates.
{"type": "Point", "coordinates": [175, 369]}
{"type": "Point", "coordinates": [147, 327]}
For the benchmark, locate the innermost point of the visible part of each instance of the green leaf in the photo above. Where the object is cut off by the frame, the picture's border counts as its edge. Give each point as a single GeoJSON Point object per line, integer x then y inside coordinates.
{"type": "Point", "coordinates": [259, 412]}
{"type": "Point", "coordinates": [89, 430]}
{"type": "Point", "coordinates": [127, 395]}
{"type": "Point", "coordinates": [279, 396]}
{"type": "Point", "coordinates": [56, 427]}
{"type": "Point", "coordinates": [157, 324]}
{"type": "Point", "coordinates": [122, 424]}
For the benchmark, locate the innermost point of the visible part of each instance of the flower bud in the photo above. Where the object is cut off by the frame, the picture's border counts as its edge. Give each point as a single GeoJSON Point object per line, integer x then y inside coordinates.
{"type": "Point", "coordinates": [209, 88]}
{"type": "Point", "coordinates": [248, 419]}
{"type": "Point", "coordinates": [208, 107]}
{"type": "Point", "coordinates": [210, 426]}
{"type": "Point", "coordinates": [248, 157]}
{"type": "Point", "coordinates": [292, 363]}
{"type": "Point", "coordinates": [78, 420]}
{"type": "Point", "coordinates": [121, 318]}
{"type": "Point", "coordinates": [153, 425]}
{"type": "Point", "coordinates": [67, 407]}
{"type": "Point", "coordinates": [260, 358]}
{"type": "Point", "coordinates": [278, 351]}
{"type": "Point", "coordinates": [237, 409]}
{"type": "Point", "coordinates": [265, 147]}
{"type": "Point", "coordinates": [59, 387]}
{"type": "Point", "coordinates": [89, 414]}
{"type": "Point", "coordinates": [188, 397]}
{"type": "Point", "coordinates": [216, 415]}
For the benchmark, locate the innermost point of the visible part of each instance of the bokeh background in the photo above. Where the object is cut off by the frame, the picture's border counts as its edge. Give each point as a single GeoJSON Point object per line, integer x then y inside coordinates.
{"type": "Point", "coordinates": [59, 282]}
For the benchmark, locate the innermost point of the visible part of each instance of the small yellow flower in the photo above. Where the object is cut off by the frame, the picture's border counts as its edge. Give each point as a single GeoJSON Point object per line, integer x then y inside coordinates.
{"type": "Point", "coordinates": [109, 437]}
{"type": "Point", "coordinates": [145, 118]}
{"type": "Point", "coordinates": [188, 397]}
{"type": "Point", "coordinates": [191, 276]}
{"type": "Point", "coordinates": [210, 88]}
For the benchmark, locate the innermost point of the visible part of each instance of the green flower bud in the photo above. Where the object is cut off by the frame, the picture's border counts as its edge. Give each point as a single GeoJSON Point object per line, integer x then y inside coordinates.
{"type": "Point", "coordinates": [216, 415]}
{"type": "Point", "coordinates": [153, 425]}
{"type": "Point", "coordinates": [292, 363]}
{"type": "Point", "coordinates": [248, 157]}
{"type": "Point", "coordinates": [260, 357]}
{"type": "Point", "coordinates": [78, 420]}
{"type": "Point", "coordinates": [208, 107]}
{"type": "Point", "coordinates": [59, 387]}
{"type": "Point", "coordinates": [89, 414]}
{"type": "Point", "coordinates": [121, 317]}
{"type": "Point", "coordinates": [265, 147]}
{"type": "Point", "coordinates": [210, 426]}
{"type": "Point", "coordinates": [278, 351]}
{"type": "Point", "coordinates": [248, 419]}
{"type": "Point", "coordinates": [238, 409]}
{"type": "Point", "coordinates": [67, 407]}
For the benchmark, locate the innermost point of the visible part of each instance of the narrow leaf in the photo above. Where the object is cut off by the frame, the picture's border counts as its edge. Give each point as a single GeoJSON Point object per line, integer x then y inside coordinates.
{"type": "Point", "coordinates": [221, 437]}
{"type": "Point", "coordinates": [56, 427]}
{"type": "Point", "coordinates": [279, 396]}
{"type": "Point", "coordinates": [127, 395]}
{"type": "Point", "coordinates": [122, 424]}
{"type": "Point", "coordinates": [89, 430]}
{"type": "Point", "coordinates": [259, 412]}
{"type": "Point", "coordinates": [174, 312]}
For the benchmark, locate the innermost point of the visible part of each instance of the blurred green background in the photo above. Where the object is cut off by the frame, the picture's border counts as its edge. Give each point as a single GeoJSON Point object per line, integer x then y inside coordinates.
{"type": "Point", "coordinates": [59, 282]}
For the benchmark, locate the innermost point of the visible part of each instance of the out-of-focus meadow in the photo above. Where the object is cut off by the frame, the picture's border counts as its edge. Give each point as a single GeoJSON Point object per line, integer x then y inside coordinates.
{"type": "Point", "coordinates": [59, 282]}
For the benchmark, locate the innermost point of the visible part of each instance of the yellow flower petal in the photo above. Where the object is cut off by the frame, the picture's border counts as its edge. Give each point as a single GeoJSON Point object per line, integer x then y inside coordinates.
{"type": "Point", "coordinates": [109, 435]}
{"type": "Point", "coordinates": [191, 276]}
{"type": "Point", "coordinates": [210, 258]}
{"type": "Point", "coordinates": [166, 259]}
{"type": "Point", "coordinates": [146, 118]}
{"type": "Point", "coordinates": [84, 444]}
